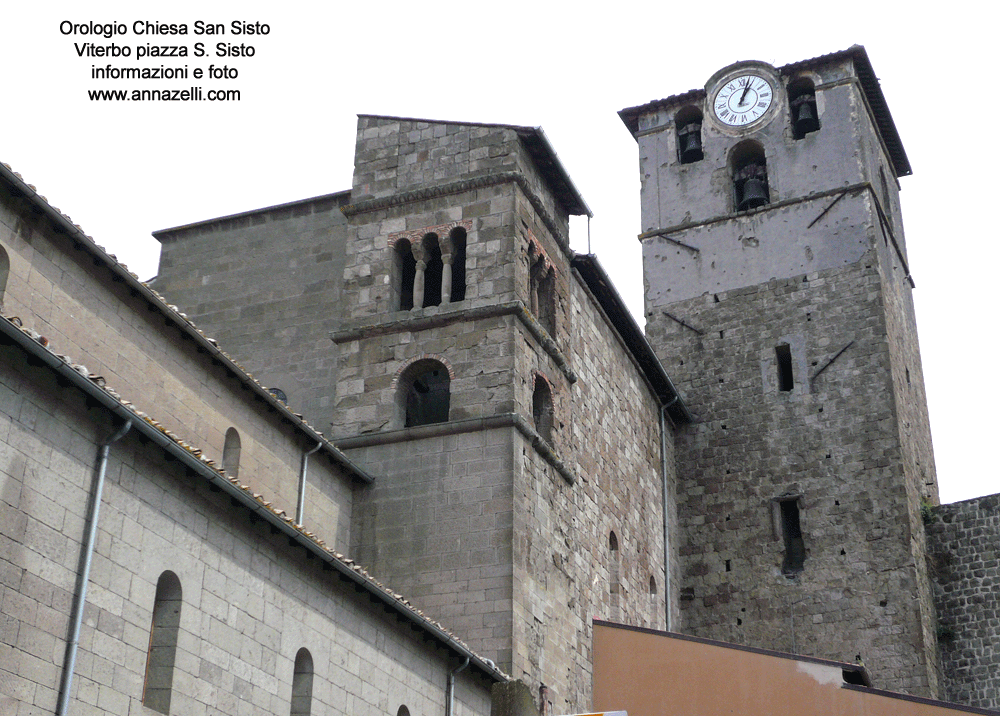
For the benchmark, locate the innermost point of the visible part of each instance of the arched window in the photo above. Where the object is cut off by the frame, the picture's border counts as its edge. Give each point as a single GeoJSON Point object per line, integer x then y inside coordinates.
{"type": "Point", "coordinates": [403, 274]}
{"type": "Point", "coordinates": [458, 239]}
{"type": "Point", "coordinates": [403, 711]}
{"type": "Point", "coordinates": [542, 290]}
{"type": "Point", "coordinates": [231, 453]}
{"type": "Point", "coordinates": [802, 101]}
{"type": "Point", "coordinates": [433, 271]}
{"type": "Point", "coordinates": [4, 273]}
{"type": "Point", "coordinates": [163, 643]}
{"type": "Point", "coordinates": [749, 169]}
{"type": "Point", "coordinates": [541, 408]}
{"type": "Point", "coordinates": [688, 125]}
{"type": "Point", "coordinates": [302, 684]}
{"type": "Point", "coordinates": [425, 393]}
{"type": "Point", "coordinates": [652, 585]}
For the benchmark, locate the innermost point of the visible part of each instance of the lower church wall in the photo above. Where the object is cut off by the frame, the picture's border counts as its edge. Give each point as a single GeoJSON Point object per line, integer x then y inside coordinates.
{"type": "Point", "coordinates": [249, 602]}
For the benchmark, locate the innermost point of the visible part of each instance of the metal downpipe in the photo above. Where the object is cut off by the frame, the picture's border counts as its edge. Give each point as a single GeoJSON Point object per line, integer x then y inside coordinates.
{"type": "Point", "coordinates": [300, 508]}
{"type": "Point", "coordinates": [450, 691]}
{"type": "Point", "coordinates": [90, 539]}
{"type": "Point", "coordinates": [666, 508]}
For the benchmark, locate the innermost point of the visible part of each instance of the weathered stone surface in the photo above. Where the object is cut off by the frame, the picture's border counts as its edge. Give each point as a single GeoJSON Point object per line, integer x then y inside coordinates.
{"type": "Point", "coordinates": [790, 331]}
{"type": "Point", "coordinates": [964, 553]}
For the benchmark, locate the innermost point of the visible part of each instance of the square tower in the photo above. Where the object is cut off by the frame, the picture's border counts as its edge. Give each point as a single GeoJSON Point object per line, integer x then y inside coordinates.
{"type": "Point", "coordinates": [778, 297]}
{"type": "Point", "coordinates": [482, 382]}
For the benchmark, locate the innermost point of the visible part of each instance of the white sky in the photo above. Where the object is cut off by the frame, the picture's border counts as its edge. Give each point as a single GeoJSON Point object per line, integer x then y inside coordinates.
{"type": "Point", "coordinates": [123, 170]}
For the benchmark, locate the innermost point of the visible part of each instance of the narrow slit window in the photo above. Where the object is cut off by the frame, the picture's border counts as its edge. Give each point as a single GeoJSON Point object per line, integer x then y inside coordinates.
{"type": "Point", "coordinates": [231, 453]}
{"type": "Point", "coordinates": [302, 684]}
{"type": "Point", "coordinates": [615, 565]}
{"type": "Point", "coordinates": [791, 531]}
{"type": "Point", "coordinates": [163, 643]}
{"type": "Point", "coordinates": [783, 359]}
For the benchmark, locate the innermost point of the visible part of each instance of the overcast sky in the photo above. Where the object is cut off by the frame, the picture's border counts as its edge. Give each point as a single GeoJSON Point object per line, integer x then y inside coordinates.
{"type": "Point", "coordinates": [122, 170]}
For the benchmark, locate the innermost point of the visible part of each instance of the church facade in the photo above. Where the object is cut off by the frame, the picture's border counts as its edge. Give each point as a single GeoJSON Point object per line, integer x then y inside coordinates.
{"type": "Point", "coordinates": [498, 441]}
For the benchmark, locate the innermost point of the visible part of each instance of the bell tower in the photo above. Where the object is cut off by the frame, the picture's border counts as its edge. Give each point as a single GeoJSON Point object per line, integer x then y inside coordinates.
{"type": "Point", "coordinates": [778, 298]}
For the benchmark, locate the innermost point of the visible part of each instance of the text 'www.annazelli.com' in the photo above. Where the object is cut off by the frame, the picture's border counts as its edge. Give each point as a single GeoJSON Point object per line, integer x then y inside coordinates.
{"type": "Point", "coordinates": [190, 94]}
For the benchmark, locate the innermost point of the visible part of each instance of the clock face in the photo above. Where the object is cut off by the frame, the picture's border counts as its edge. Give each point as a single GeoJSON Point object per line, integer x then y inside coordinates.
{"type": "Point", "coordinates": [742, 100]}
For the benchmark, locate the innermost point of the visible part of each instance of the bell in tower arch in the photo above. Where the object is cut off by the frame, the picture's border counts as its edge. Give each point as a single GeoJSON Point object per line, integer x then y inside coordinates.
{"type": "Point", "coordinates": [804, 114]}
{"type": "Point", "coordinates": [688, 124]}
{"type": "Point", "coordinates": [690, 143]}
{"type": "Point", "coordinates": [751, 187]}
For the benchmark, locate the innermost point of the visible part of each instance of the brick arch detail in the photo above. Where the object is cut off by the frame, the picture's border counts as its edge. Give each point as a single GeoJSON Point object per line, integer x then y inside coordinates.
{"type": "Point", "coordinates": [535, 374]}
{"type": "Point", "coordinates": [424, 356]}
{"type": "Point", "coordinates": [535, 246]}
{"type": "Point", "coordinates": [415, 236]}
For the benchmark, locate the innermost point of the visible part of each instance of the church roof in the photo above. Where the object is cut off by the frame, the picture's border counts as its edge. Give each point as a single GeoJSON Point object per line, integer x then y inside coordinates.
{"type": "Point", "coordinates": [611, 303]}
{"type": "Point", "coordinates": [243, 497]}
{"type": "Point", "coordinates": [869, 85]}
{"type": "Point", "coordinates": [64, 225]}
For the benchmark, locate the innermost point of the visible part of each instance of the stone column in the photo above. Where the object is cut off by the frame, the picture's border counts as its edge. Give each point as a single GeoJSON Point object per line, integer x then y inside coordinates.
{"type": "Point", "coordinates": [446, 278]}
{"type": "Point", "coordinates": [418, 276]}
{"type": "Point", "coordinates": [418, 284]}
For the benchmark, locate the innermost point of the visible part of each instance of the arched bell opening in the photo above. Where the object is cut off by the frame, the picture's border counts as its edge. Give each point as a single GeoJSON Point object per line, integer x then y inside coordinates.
{"type": "Point", "coordinates": [458, 238]}
{"type": "Point", "coordinates": [433, 272]}
{"type": "Point", "coordinates": [749, 171]}
{"type": "Point", "coordinates": [802, 102]}
{"type": "Point", "coordinates": [688, 123]}
{"type": "Point", "coordinates": [404, 271]}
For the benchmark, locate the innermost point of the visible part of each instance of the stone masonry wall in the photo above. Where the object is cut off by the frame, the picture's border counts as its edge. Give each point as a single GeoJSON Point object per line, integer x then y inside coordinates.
{"type": "Point", "coordinates": [964, 545]}
{"type": "Point", "coordinates": [60, 292]}
{"type": "Point", "coordinates": [564, 571]}
{"type": "Point", "coordinates": [912, 422]}
{"type": "Point", "coordinates": [266, 285]}
{"type": "Point", "coordinates": [250, 601]}
{"type": "Point", "coordinates": [437, 524]}
{"type": "Point", "coordinates": [437, 527]}
{"type": "Point", "coordinates": [832, 441]}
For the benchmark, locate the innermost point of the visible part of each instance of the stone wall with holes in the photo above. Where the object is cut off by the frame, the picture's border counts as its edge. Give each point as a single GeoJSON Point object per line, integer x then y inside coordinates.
{"type": "Point", "coordinates": [250, 601]}
{"type": "Point", "coordinates": [265, 284]}
{"type": "Point", "coordinates": [964, 545]}
{"type": "Point", "coordinates": [833, 441]}
{"type": "Point", "coordinates": [144, 351]}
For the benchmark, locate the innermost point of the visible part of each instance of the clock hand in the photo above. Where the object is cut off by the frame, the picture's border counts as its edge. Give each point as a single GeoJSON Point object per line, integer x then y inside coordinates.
{"type": "Point", "coordinates": [746, 89]}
